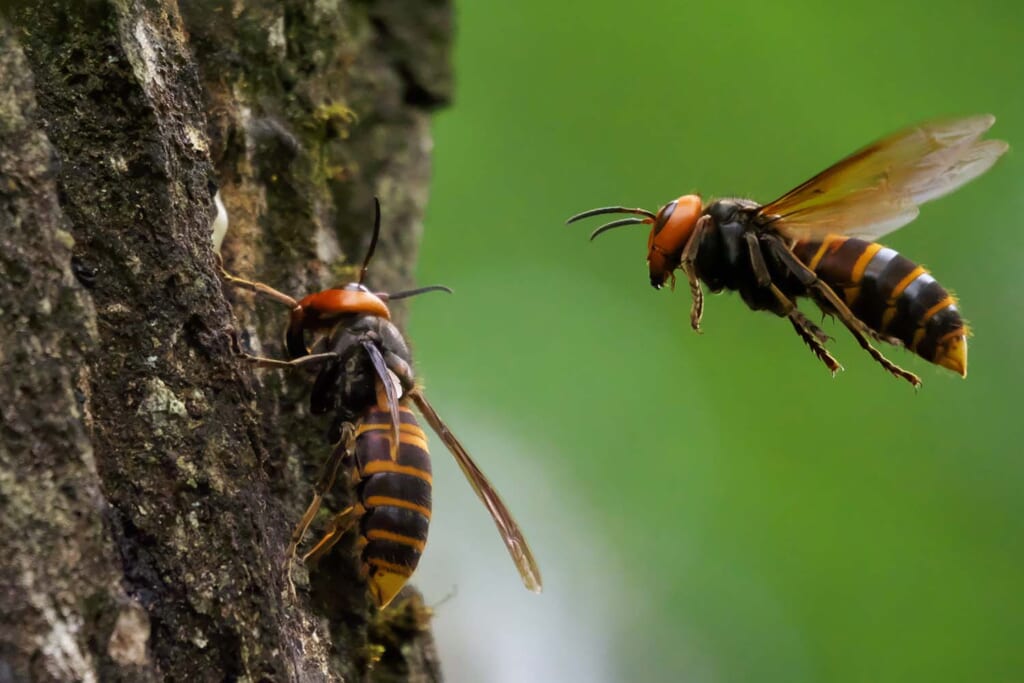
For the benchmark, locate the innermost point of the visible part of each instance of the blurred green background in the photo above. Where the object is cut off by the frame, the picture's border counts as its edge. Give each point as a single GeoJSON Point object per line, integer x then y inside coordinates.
{"type": "Point", "coordinates": [716, 507]}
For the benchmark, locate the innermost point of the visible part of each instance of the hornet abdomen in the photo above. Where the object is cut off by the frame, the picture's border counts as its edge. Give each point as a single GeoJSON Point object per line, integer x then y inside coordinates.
{"type": "Point", "coordinates": [395, 494]}
{"type": "Point", "coordinates": [892, 295]}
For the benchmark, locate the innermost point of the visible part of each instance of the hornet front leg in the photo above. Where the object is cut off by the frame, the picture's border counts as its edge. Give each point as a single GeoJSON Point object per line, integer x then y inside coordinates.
{"type": "Point", "coordinates": [688, 264]}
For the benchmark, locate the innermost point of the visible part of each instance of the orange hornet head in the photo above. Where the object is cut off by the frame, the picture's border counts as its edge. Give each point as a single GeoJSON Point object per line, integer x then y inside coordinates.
{"type": "Point", "coordinates": [671, 229]}
{"type": "Point", "coordinates": [324, 310]}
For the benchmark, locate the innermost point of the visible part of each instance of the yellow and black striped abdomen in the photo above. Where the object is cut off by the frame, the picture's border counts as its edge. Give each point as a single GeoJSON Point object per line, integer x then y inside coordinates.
{"type": "Point", "coordinates": [893, 296]}
{"type": "Point", "coordinates": [395, 494]}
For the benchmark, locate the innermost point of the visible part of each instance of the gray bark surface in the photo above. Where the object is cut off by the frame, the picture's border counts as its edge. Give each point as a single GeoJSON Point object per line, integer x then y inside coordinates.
{"type": "Point", "coordinates": [149, 478]}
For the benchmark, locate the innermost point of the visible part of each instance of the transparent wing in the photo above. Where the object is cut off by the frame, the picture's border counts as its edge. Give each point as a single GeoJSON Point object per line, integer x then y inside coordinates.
{"type": "Point", "coordinates": [389, 383]}
{"type": "Point", "coordinates": [878, 189]}
{"type": "Point", "coordinates": [507, 527]}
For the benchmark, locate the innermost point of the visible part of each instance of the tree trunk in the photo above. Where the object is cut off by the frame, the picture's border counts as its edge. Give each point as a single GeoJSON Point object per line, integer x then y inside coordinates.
{"type": "Point", "coordinates": [149, 478]}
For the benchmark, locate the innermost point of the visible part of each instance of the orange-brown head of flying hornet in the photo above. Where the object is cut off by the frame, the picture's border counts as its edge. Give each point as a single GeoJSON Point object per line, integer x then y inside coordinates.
{"type": "Point", "coordinates": [671, 229]}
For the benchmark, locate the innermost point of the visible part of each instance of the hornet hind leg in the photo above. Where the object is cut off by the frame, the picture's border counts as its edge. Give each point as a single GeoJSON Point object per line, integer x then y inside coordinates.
{"type": "Point", "coordinates": [323, 484]}
{"type": "Point", "coordinates": [341, 523]}
{"type": "Point", "coordinates": [830, 302]}
{"type": "Point", "coordinates": [812, 335]}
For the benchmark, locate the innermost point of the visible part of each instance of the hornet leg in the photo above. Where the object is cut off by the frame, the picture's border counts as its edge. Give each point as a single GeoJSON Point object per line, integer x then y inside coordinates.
{"type": "Point", "coordinates": [761, 273]}
{"type": "Point", "coordinates": [313, 359]}
{"type": "Point", "coordinates": [686, 262]}
{"type": "Point", "coordinates": [323, 484]}
{"type": "Point", "coordinates": [341, 523]}
{"type": "Point", "coordinates": [270, 293]}
{"type": "Point", "coordinates": [816, 331]}
{"type": "Point", "coordinates": [812, 335]}
{"type": "Point", "coordinates": [260, 288]}
{"type": "Point", "coordinates": [829, 301]}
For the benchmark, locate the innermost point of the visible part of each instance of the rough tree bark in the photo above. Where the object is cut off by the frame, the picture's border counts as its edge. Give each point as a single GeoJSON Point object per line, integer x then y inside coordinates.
{"type": "Point", "coordinates": [148, 478]}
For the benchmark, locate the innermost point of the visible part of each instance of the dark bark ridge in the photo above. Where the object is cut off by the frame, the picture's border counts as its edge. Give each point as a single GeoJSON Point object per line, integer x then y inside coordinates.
{"type": "Point", "coordinates": [148, 479]}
